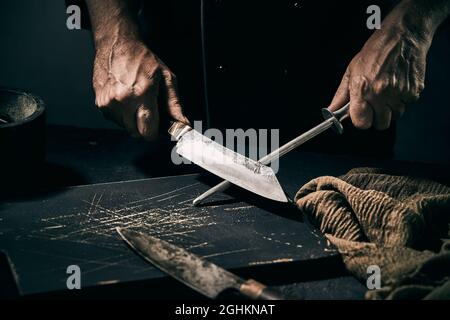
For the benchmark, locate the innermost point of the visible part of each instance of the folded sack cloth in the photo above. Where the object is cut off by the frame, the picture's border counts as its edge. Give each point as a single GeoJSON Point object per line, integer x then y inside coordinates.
{"type": "Point", "coordinates": [400, 224]}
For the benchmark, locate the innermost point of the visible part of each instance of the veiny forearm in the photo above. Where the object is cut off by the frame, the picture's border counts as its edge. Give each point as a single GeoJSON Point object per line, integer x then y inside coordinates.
{"type": "Point", "coordinates": [421, 18]}
{"type": "Point", "coordinates": [113, 19]}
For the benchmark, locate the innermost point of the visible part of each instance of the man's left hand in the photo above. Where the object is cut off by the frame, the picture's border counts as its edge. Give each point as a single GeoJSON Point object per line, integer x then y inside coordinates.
{"type": "Point", "coordinates": [385, 76]}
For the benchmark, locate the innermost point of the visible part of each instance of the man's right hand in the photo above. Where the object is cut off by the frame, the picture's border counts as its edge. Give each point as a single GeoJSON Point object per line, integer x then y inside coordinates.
{"type": "Point", "coordinates": [128, 77]}
{"type": "Point", "coordinates": [127, 80]}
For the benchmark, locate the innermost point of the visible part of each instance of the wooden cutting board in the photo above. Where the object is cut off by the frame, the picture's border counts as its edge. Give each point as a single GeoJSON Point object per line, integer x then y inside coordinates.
{"type": "Point", "coordinates": [42, 237]}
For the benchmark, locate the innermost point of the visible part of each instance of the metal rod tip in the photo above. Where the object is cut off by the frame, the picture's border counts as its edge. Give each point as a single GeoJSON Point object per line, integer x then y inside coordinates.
{"type": "Point", "coordinates": [197, 201]}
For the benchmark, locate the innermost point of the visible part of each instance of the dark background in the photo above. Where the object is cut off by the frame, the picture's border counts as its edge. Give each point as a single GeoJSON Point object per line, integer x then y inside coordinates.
{"type": "Point", "coordinates": [39, 54]}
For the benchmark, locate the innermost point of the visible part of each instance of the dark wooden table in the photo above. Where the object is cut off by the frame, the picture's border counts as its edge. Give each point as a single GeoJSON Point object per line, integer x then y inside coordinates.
{"type": "Point", "coordinates": [96, 180]}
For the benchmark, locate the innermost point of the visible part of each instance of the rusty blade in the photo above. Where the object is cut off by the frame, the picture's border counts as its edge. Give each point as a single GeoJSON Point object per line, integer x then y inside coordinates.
{"type": "Point", "coordinates": [201, 275]}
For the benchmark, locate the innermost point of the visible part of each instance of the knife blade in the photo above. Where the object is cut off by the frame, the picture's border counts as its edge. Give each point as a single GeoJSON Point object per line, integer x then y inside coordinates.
{"type": "Point", "coordinates": [225, 163]}
{"type": "Point", "coordinates": [205, 277]}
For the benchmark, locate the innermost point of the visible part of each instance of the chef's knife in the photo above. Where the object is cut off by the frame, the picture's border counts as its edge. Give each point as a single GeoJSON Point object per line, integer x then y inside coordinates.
{"type": "Point", "coordinates": [225, 163]}
{"type": "Point", "coordinates": [332, 120]}
{"type": "Point", "coordinates": [200, 275]}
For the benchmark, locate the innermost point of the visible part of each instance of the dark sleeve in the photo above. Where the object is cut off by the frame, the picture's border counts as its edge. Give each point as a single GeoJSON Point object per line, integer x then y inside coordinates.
{"type": "Point", "coordinates": [85, 20]}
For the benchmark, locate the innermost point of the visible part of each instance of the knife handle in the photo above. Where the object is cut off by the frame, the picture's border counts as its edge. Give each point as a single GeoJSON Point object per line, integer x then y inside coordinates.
{"type": "Point", "coordinates": [257, 291]}
{"type": "Point", "coordinates": [178, 129]}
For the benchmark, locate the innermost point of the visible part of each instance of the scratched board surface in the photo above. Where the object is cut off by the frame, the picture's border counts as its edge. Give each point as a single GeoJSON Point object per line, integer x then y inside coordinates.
{"type": "Point", "coordinates": [76, 226]}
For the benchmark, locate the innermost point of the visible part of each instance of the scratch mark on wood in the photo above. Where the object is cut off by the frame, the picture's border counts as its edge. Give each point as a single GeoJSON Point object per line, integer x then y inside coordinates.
{"type": "Point", "coordinates": [54, 227]}
{"type": "Point", "coordinates": [238, 208]}
{"type": "Point", "coordinates": [177, 195]}
{"type": "Point", "coordinates": [203, 244]}
{"type": "Point", "coordinates": [227, 252]}
{"type": "Point", "coordinates": [186, 201]}
{"type": "Point", "coordinates": [281, 260]}
{"type": "Point", "coordinates": [106, 282]}
{"type": "Point", "coordinates": [164, 194]}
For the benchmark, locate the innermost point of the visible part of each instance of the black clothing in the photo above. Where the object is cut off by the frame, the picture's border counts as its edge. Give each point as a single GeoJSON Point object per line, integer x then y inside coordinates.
{"type": "Point", "coordinates": [269, 64]}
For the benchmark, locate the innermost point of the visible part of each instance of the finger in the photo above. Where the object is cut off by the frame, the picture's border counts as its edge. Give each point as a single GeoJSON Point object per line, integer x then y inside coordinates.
{"type": "Point", "coordinates": [147, 122]}
{"type": "Point", "coordinates": [342, 95]}
{"type": "Point", "coordinates": [385, 104]}
{"type": "Point", "coordinates": [361, 111]}
{"type": "Point", "coordinates": [101, 97]}
{"type": "Point", "coordinates": [398, 91]}
{"type": "Point", "coordinates": [382, 117]}
{"type": "Point", "coordinates": [123, 115]}
{"type": "Point", "coordinates": [99, 88]}
{"type": "Point", "coordinates": [122, 93]}
{"type": "Point", "coordinates": [379, 97]}
{"type": "Point", "coordinates": [417, 77]}
{"type": "Point", "coordinates": [173, 100]}
{"type": "Point", "coordinates": [129, 120]}
{"type": "Point", "coordinates": [147, 114]}
{"type": "Point", "coordinates": [124, 107]}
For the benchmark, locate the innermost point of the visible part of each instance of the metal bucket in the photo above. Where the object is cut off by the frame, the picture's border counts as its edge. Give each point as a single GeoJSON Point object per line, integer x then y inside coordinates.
{"type": "Point", "coordinates": [22, 136]}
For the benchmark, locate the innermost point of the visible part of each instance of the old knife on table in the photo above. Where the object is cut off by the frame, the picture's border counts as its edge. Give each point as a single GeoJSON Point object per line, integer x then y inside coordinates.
{"type": "Point", "coordinates": [225, 163]}
{"type": "Point", "coordinates": [201, 275]}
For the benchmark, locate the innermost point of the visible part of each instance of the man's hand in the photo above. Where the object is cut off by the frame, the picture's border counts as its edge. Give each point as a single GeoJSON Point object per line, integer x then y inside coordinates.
{"type": "Point", "coordinates": [127, 80]}
{"type": "Point", "coordinates": [128, 77]}
{"type": "Point", "coordinates": [389, 72]}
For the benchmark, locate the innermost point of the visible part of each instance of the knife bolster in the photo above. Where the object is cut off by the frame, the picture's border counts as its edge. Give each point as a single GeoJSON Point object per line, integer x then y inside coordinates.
{"type": "Point", "coordinates": [257, 291]}
{"type": "Point", "coordinates": [178, 129]}
{"type": "Point", "coordinates": [252, 289]}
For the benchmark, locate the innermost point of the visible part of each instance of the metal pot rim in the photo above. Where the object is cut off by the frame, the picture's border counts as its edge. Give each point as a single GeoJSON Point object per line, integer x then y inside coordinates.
{"type": "Point", "coordinates": [40, 107]}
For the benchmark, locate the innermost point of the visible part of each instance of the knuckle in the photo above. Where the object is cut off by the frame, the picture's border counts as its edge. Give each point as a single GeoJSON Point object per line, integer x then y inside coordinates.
{"type": "Point", "coordinates": [420, 88]}
{"type": "Point", "coordinates": [139, 90]}
{"type": "Point", "coordinates": [96, 86]}
{"type": "Point", "coordinates": [414, 95]}
{"type": "Point", "coordinates": [152, 71]}
{"type": "Point", "coordinates": [358, 84]}
{"type": "Point", "coordinates": [120, 98]}
{"type": "Point", "coordinates": [102, 103]}
{"type": "Point", "coordinates": [174, 101]}
{"type": "Point", "coordinates": [143, 87]}
{"type": "Point", "coordinates": [122, 93]}
{"type": "Point", "coordinates": [144, 113]}
{"type": "Point", "coordinates": [380, 87]}
{"type": "Point", "coordinates": [146, 85]}
{"type": "Point", "coordinates": [169, 76]}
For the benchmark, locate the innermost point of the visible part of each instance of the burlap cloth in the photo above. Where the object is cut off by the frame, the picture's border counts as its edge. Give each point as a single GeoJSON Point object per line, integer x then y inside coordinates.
{"type": "Point", "coordinates": [398, 223]}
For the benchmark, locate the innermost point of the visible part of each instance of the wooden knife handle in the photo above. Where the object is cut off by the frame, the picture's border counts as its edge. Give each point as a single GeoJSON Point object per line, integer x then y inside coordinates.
{"type": "Point", "coordinates": [257, 291]}
{"type": "Point", "coordinates": [178, 129]}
